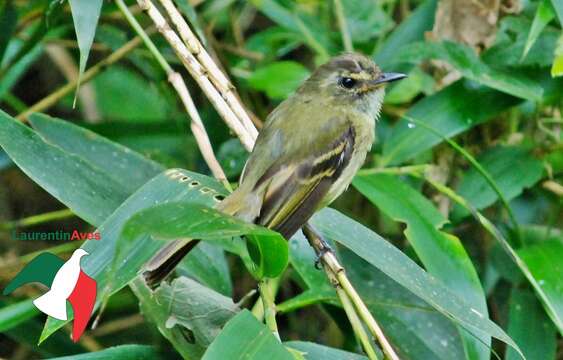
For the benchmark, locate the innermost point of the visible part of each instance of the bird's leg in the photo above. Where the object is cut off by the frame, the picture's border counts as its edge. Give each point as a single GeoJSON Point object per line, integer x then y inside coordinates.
{"type": "Point", "coordinates": [318, 243]}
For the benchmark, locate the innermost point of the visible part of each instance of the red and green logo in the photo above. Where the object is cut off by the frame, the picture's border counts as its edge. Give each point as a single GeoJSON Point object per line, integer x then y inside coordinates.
{"type": "Point", "coordinates": [66, 281]}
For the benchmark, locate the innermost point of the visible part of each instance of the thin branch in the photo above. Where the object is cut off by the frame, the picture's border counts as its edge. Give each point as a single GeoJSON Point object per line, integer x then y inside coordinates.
{"type": "Point", "coordinates": [258, 307]}
{"type": "Point", "coordinates": [341, 18]}
{"type": "Point", "coordinates": [37, 219]}
{"type": "Point", "coordinates": [88, 75]}
{"type": "Point", "coordinates": [356, 323]}
{"type": "Point", "coordinates": [554, 187]}
{"type": "Point", "coordinates": [352, 315]}
{"type": "Point", "coordinates": [198, 129]}
{"type": "Point", "coordinates": [335, 271]}
{"type": "Point", "coordinates": [200, 75]}
{"type": "Point", "coordinates": [86, 96]}
{"type": "Point", "coordinates": [267, 295]}
{"type": "Point", "coordinates": [175, 79]}
{"type": "Point", "coordinates": [219, 79]}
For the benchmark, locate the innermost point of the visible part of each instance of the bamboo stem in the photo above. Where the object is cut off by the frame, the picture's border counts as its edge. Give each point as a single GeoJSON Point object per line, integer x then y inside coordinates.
{"type": "Point", "coordinates": [341, 18]}
{"type": "Point", "coordinates": [37, 219]}
{"type": "Point", "coordinates": [215, 74]}
{"type": "Point", "coordinates": [200, 75]}
{"type": "Point", "coordinates": [356, 323]}
{"type": "Point", "coordinates": [175, 79]}
{"type": "Point", "coordinates": [336, 272]}
{"type": "Point", "coordinates": [267, 295]}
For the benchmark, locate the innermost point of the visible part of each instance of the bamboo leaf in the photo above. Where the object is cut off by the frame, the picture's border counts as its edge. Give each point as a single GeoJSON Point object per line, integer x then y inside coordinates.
{"type": "Point", "coordinates": [530, 327]}
{"type": "Point", "coordinates": [441, 253]}
{"type": "Point", "coordinates": [85, 15]}
{"type": "Point", "coordinates": [379, 253]}
{"type": "Point", "coordinates": [245, 338]}
{"type": "Point", "coordinates": [125, 352]}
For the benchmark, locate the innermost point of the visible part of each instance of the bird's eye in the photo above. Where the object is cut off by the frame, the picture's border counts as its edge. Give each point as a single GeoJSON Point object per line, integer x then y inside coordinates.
{"type": "Point", "coordinates": [347, 82]}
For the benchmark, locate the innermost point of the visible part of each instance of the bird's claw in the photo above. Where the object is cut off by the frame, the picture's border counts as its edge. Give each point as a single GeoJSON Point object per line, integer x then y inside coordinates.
{"type": "Point", "coordinates": [325, 248]}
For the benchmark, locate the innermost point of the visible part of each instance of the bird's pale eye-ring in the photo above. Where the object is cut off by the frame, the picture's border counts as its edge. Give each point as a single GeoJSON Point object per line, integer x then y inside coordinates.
{"type": "Point", "coordinates": [348, 82]}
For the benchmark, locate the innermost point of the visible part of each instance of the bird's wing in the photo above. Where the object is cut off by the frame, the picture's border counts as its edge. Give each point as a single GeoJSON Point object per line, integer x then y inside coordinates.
{"type": "Point", "coordinates": [293, 191]}
{"type": "Point", "coordinates": [82, 299]}
{"type": "Point", "coordinates": [41, 269]}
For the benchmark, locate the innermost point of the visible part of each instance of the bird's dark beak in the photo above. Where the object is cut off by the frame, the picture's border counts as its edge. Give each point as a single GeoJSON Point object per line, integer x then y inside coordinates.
{"type": "Point", "coordinates": [387, 78]}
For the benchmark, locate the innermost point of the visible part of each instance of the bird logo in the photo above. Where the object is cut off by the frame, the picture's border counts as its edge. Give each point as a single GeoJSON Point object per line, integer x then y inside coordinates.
{"type": "Point", "coordinates": [66, 281]}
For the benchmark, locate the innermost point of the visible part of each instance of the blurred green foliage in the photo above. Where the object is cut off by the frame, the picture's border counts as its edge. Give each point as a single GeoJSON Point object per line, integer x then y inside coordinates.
{"type": "Point", "coordinates": [438, 259]}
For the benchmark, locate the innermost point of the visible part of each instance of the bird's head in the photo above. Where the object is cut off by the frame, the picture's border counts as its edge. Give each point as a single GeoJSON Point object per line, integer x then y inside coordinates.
{"type": "Point", "coordinates": [351, 80]}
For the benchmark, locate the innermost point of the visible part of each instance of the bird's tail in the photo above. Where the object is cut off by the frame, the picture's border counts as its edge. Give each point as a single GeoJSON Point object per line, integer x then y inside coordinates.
{"type": "Point", "coordinates": [52, 304]}
{"type": "Point", "coordinates": [167, 258]}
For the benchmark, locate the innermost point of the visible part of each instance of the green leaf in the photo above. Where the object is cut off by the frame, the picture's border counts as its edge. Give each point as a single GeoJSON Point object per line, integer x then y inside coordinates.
{"type": "Point", "coordinates": [537, 234]}
{"type": "Point", "coordinates": [511, 40]}
{"type": "Point", "coordinates": [530, 327]}
{"type": "Point", "coordinates": [196, 308]}
{"type": "Point", "coordinates": [406, 90]}
{"type": "Point", "coordinates": [544, 14]}
{"type": "Point", "coordinates": [5, 160]}
{"type": "Point", "coordinates": [400, 312]}
{"type": "Point", "coordinates": [544, 262]}
{"type": "Point", "coordinates": [529, 235]}
{"type": "Point", "coordinates": [119, 163]}
{"type": "Point", "coordinates": [274, 42]}
{"type": "Point", "coordinates": [84, 188]}
{"type": "Point", "coordinates": [403, 270]}
{"type": "Point", "coordinates": [125, 352]}
{"type": "Point", "coordinates": [558, 6]}
{"type": "Point", "coordinates": [179, 337]}
{"type": "Point", "coordinates": [366, 20]}
{"type": "Point", "coordinates": [26, 334]}
{"type": "Point", "coordinates": [16, 70]}
{"type": "Point", "coordinates": [180, 220]}
{"type": "Point", "coordinates": [441, 253]}
{"type": "Point", "coordinates": [468, 63]}
{"type": "Point", "coordinates": [8, 22]}
{"type": "Point", "coordinates": [172, 185]}
{"type": "Point", "coordinates": [450, 111]}
{"type": "Point", "coordinates": [312, 32]}
{"type": "Point", "coordinates": [85, 15]}
{"type": "Point", "coordinates": [245, 338]}
{"type": "Point", "coordinates": [415, 329]}
{"type": "Point", "coordinates": [513, 168]}
{"type": "Point", "coordinates": [115, 100]}
{"type": "Point", "coordinates": [16, 314]}
{"type": "Point", "coordinates": [278, 79]}
{"type": "Point", "coordinates": [410, 30]}
{"type": "Point", "coordinates": [232, 156]}
{"type": "Point", "coordinates": [312, 351]}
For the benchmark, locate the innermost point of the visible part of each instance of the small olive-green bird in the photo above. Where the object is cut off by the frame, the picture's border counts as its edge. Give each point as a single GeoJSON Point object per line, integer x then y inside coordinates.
{"type": "Point", "coordinates": [306, 155]}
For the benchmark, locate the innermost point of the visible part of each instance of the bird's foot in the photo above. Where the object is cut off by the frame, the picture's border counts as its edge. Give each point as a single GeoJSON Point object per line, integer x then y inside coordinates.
{"type": "Point", "coordinates": [324, 249]}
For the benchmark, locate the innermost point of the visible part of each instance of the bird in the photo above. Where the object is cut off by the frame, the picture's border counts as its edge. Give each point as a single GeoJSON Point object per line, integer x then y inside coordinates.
{"type": "Point", "coordinates": [66, 281]}
{"type": "Point", "coordinates": [311, 146]}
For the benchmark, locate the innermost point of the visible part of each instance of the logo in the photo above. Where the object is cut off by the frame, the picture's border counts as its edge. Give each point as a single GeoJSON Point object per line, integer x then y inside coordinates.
{"type": "Point", "coordinates": [66, 281]}
{"type": "Point", "coordinates": [56, 235]}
